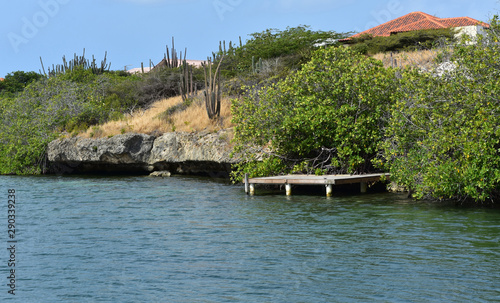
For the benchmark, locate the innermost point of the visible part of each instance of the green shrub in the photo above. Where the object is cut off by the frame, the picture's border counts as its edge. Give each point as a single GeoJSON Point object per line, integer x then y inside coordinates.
{"type": "Point", "coordinates": [444, 136]}
{"type": "Point", "coordinates": [333, 112]}
{"type": "Point", "coordinates": [407, 41]}
{"type": "Point", "coordinates": [16, 82]}
{"type": "Point", "coordinates": [293, 46]}
{"type": "Point", "coordinates": [32, 118]}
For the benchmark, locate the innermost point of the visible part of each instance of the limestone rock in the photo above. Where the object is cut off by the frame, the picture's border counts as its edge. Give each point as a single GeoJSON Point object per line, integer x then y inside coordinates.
{"type": "Point", "coordinates": [181, 147]}
{"type": "Point", "coordinates": [185, 153]}
{"type": "Point", "coordinates": [121, 149]}
{"type": "Point", "coordinates": [163, 173]}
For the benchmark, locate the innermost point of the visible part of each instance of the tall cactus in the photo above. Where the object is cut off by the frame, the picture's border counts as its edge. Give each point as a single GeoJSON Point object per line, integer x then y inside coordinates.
{"type": "Point", "coordinates": [187, 87]}
{"type": "Point", "coordinates": [212, 89]}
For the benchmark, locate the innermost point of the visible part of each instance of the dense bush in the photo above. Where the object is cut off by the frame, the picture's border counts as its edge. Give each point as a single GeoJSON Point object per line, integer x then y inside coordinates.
{"type": "Point", "coordinates": [332, 112]}
{"type": "Point", "coordinates": [292, 46]}
{"type": "Point", "coordinates": [444, 136]}
{"type": "Point", "coordinates": [163, 83]}
{"type": "Point", "coordinates": [16, 81]}
{"type": "Point", "coordinates": [406, 41]}
{"type": "Point", "coordinates": [66, 102]}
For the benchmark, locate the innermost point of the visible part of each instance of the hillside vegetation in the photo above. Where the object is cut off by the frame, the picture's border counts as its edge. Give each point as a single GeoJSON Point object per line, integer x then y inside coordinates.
{"type": "Point", "coordinates": [161, 117]}
{"type": "Point", "coordinates": [294, 108]}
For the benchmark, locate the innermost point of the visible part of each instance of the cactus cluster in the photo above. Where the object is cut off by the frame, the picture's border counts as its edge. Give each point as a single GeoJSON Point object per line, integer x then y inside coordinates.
{"type": "Point", "coordinates": [212, 87]}
{"type": "Point", "coordinates": [76, 62]}
{"type": "Point", "coordinates": [223, 51]}
{"type": "Point", "coordinates": [175, 61]}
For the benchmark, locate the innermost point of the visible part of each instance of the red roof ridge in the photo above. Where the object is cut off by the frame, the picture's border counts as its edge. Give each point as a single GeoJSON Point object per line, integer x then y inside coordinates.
{"type": "Point", "coordinates": [474, 20]}
{"type": "Point", "coordinates": [417, 21]}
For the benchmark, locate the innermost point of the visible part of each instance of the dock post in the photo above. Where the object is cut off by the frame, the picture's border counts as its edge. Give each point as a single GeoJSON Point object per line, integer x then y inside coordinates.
{"type": "Point", "coordinates": [288, 188]}
{"type": "Point", "coordinates": [329, 190]}
{"type": "Point", "coordinates": [252, 189]}
{"type": "Point", "coordinates": [246, 184]}
{"type": "Point", "coordinates": [363, 187]}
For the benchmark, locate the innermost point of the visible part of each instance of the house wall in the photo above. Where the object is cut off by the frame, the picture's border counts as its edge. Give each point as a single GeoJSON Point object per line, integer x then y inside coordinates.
{"type": "Point", "coordinates": [472, 31]}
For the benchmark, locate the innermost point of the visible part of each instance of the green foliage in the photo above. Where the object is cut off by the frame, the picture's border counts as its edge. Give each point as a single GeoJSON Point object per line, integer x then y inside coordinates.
{"type": "Point", "coordinates": [71, 101]}
{"type": "Point", "coordinates": [444, 136]}
{"type": "Point", "coordinates": [495, 29]}
{"type": "Point", "coordinates": [293, 46]}
{"type": "Point", "coordinates": [414, 40]}
{"type": "Point", "coordinates": [331, 112]}
{"type": "Point", "coordinates": [16, 82]}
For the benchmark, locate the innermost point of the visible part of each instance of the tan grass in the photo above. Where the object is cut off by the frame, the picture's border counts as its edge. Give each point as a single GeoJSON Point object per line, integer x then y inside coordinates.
{"type": "Point", "coordinates": [192, 119]}
{"type": "Point", "coordinates": [425, 59]}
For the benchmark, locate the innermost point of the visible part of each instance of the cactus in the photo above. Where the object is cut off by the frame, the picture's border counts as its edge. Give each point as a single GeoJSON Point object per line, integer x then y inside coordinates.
{"type": "Point", "coordinates": [175, 61]}
{"type": "Point", "coordinates": [212, 88]}
{"type": "Point", "coordinates": [187, 87]}
{"type": "Point", "coordinates": [257, 66]}
{"type": "Point", "coordinates": [77, 61]}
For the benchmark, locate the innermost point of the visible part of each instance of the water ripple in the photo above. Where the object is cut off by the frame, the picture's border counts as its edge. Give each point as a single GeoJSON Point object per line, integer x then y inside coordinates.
{"type": "Point", "coordinates": [135, 239]}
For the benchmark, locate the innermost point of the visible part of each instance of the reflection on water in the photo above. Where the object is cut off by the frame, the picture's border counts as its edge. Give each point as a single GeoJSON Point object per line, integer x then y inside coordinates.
{"type": "Point", "coordinates": [137, 239]}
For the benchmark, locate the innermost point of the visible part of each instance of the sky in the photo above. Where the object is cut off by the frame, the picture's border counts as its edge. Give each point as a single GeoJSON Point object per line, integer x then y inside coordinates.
{"type": "Point", "coordinates": [135, 31]}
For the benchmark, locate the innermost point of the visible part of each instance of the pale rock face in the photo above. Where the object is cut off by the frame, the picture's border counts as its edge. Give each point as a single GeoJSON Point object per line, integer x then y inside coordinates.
{"type": "Point", "coordinates": [181, 147]}
{"type": "Point", "coordinates": [122, 149]}
{"type": "Point", "coordinates": [188, 153]}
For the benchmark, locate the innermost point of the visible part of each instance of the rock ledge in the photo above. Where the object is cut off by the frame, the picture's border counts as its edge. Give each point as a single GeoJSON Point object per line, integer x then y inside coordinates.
{"type": "Point", "coordinates": [178, 152]}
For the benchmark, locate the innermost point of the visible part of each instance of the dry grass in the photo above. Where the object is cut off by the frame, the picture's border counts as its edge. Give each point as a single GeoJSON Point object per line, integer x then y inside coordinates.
{"type": "Point", "coordinates": [194, 118]}
{"type": "Point", "coordinates": [425, 59]}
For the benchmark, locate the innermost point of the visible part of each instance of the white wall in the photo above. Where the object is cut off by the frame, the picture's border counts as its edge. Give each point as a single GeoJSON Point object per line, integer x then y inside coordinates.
{"type": "Point", "coordinates": [472, 31]}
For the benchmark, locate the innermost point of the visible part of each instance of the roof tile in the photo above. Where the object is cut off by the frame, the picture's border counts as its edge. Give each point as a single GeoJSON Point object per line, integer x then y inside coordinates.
{"type": "Point", "coordinates": [418, 21]}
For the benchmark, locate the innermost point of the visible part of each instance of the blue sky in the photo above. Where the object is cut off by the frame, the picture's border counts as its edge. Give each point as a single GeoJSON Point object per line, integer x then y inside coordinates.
{"type": "Point", "coordinates": [135, 31]}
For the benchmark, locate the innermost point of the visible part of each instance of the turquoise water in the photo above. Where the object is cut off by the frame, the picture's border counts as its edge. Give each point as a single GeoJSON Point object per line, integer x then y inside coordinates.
{"type": "Point", "coordinates": [138, 239]}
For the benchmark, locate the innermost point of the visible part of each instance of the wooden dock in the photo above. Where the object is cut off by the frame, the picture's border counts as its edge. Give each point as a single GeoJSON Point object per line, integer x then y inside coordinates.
{"type": "Point", "coordinates": [328, 181]}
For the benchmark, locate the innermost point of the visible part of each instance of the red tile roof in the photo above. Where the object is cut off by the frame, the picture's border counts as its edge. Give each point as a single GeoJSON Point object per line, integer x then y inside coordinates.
{"type": "Point", "coordinates": [1, 79]}
{"type": "Point", "coordinates": [418, 21]}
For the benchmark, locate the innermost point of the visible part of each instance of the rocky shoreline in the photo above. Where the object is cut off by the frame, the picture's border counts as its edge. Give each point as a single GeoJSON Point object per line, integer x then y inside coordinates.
{"type": "Point", "coordinates": [201, 153]}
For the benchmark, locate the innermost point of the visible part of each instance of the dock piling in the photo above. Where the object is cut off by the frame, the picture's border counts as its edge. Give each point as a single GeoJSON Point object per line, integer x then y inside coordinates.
{"type": "Point", "coordinates": [288, 188]}
{"type": "Point", "coordinates": [364, 187]}
{"type": "Point", "coordinates": [246, 184]}
{"type": "Point", "coordinates": [329, 190]}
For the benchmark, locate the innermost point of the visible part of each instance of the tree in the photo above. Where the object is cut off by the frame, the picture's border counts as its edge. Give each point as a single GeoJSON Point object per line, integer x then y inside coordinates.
{"type": "Point", "coordinates": [16, 81]}
{"type": "Point", "coordinates": [326, 118]}
{"type": "Point", "coordinates": [444, 136]}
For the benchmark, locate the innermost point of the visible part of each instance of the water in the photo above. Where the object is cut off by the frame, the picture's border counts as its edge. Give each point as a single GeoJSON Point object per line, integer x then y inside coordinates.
{"type": "Point", "coordinates": [138, 239]}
